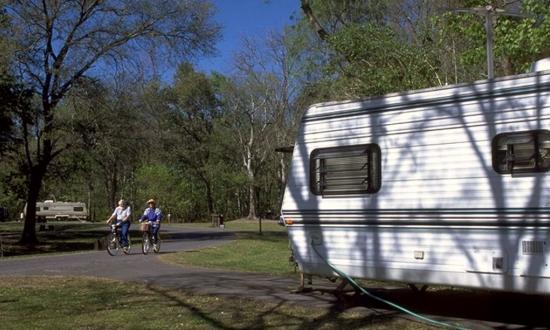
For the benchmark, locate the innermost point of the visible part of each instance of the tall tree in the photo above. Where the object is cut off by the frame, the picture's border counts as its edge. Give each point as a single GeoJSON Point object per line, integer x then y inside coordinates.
{"type": "Point", "coordinates": [192, 111]}
{"type": "Point", "coordinates": [518, 40]}
{"type": "Point", "coordinates": [61, 41]}
{"type": "Point", "coordinates": [250, 113]}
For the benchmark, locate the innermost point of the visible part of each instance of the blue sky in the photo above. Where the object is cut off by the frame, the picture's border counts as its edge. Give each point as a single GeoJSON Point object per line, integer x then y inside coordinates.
{"type": "Point", "coordinates": [246, 18]}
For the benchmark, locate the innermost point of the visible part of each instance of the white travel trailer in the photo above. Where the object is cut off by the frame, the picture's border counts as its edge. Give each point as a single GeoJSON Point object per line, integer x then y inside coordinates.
{"type": "Point", "coordinates": [446, 185]}
{"type": "Point", "coordinates": [50, 210]}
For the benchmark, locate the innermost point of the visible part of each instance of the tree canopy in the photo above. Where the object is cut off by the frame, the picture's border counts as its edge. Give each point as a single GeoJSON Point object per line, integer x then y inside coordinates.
{"type": "Point", "coordinates": [86, 115]}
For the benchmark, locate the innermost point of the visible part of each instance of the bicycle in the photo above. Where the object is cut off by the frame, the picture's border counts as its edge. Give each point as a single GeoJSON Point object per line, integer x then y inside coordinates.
{"type": "Point", "coordinates": [148, 242]}
{"type": "Point", "coordinates": [114, 244]}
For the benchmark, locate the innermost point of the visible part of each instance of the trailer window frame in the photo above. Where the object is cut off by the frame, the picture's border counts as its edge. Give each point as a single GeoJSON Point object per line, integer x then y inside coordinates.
{"type": "Point", "coordinates": [521, 152]}
{"type": "Point", "coordinates": [335, 163]}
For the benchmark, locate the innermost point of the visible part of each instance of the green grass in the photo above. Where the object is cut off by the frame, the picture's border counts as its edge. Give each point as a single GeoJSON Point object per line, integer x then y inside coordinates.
{"type": "Point", "coordinates": [65, 237]}
{"type": "Point", "coordinates": [87, 303]}
{"type": "Point", "coordinates": [237, 225]}
{"type": "Point", "coordinates": [74, 236]}
{"type": "Point", "coordinates": [250, 252]}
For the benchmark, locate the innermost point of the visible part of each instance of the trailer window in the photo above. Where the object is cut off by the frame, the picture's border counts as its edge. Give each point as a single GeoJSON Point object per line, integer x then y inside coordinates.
{"type": "Point", "coordinates": [345, 170]}
{"type": "Point", "coordinates": [78, 209]}
{"type": "Point", "coordinates": [521, 152]}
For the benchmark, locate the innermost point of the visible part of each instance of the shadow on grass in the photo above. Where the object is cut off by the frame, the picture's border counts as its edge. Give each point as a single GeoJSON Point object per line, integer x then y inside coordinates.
{"type": "Point", "coordinates": [281, 314]}
{"type": "Point", "coordinates": [60, 237]}
{"type": "Point", "coordinates": [525, 310]}
{"type": "Point", "coordinates": [180, 302]}
{"type": "Point", "coordinates": [266, 236]}
{"type": "Point", "coordinates": [195, 236]}
{"type": "Point", "coordinates": [74, 237]}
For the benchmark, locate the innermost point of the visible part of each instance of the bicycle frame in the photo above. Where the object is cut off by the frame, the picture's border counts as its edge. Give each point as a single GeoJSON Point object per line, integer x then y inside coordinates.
{"type": "Point", "coordinates": [114, 244]}
{"type": "Point", "coordinates": [147, 241]}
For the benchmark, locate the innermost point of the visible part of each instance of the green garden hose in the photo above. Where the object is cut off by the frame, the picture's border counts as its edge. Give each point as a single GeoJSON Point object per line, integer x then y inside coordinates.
{"type": "Point", "coordinates": [403, 309]}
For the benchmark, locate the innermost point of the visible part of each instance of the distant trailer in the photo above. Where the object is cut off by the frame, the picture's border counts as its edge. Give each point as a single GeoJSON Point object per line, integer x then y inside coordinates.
{"type": "Point", "coordinates": [446, 185]}
{"type": "Point", "coordinates": [50, 210]}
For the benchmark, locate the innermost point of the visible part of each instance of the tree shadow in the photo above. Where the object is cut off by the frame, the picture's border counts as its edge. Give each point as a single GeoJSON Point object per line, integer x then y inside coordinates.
{"type": "Point", "coordinates": [278, 312]}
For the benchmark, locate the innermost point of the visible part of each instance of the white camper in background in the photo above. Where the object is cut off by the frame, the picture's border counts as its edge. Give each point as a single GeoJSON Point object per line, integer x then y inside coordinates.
{"type": "Point", "coordinates": [447, 185]}
{"type": "Point", "coordinates": [50, 210]}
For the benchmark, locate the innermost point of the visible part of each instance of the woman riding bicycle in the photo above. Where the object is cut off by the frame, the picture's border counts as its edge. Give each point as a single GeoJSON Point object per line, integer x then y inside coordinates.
{"type": "Point", "coordinates": [122, 215]}
{"type": "Point", "coordinates": [152, 215]}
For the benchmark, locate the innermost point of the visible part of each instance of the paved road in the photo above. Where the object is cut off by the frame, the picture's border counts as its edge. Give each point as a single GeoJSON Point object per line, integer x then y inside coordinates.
{"type": "Point", "coordinates": [149, 269]}
{"type": "Point", "coordinates": [481, 310]}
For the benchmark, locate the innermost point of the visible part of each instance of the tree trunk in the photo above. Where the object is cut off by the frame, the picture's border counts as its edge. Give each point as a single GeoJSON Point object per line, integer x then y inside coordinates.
{"type": "Point", "coordinates": [111, 184]}
{"type": "Point", "coordinates": [209, 198]}
{"type": "Point", "coordinates": [308, 12]}
{"type": "Point", "coordinates": [28, 237]}
{"type": "Point", "coordinates": [251, 201]}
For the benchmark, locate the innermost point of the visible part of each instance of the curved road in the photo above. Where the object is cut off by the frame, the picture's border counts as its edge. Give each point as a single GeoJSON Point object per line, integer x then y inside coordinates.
{"type": "Point", "coordinates": [478, 310]}
{"type": "Point", "coordinates": [149, 269]}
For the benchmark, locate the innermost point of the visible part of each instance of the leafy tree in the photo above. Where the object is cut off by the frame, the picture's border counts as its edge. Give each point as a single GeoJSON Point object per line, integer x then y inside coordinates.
{"type": "Point", "coordinates": [250, 111]}
{"type": "Point", "coordinates": [61, 41]}
{"type": "Point", "coordinates": [192, 112]}
{"type": "Point", "coordinates": [160, 182]}
{"type": "Point", "coordinates": [518, 41]}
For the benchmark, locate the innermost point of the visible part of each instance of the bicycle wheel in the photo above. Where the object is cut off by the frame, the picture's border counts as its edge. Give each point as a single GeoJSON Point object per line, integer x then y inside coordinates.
{"type": "Point", "coordinates": [145, 243]}
{"type": "Point", "coordinates": [156, 246]}
{"type": "Point", "coordinates": [113, 245]}
{"type": "Point", "coordinates": [126, 249]}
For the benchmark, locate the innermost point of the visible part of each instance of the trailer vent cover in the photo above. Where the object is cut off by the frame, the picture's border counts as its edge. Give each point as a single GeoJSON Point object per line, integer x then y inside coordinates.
{"type": "Point", "coordinates": [533, 247]}
{"type": "Point", "coordinates": [498, 263]}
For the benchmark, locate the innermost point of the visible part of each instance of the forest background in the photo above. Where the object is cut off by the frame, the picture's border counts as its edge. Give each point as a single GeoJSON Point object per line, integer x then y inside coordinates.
{"type": "Point", "coordinates": [86, 116]}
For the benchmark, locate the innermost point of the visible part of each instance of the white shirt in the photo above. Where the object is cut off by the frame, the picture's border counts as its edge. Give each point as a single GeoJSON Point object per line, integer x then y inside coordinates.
{"type": "Point", "coordinates": [122, 213]}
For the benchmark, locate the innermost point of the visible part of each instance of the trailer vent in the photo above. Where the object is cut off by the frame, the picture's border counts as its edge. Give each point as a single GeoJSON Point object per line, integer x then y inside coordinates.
{"type": "Point", "coordinates": [498, 263]}
{"type": "Point", "coordinates": [532, 247]}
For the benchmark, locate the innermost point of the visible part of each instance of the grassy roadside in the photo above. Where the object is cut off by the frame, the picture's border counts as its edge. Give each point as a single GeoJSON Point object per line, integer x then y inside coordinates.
{"type": "Point", "coordinates": [250, 252]}
{"type": "Point", "coordinates": [63, 237]}
{"type": "Point", "coordinates": [236, 225]}
{"type": "Point", "coordinates": [78, 303]}
{"type": "Point", "coordinates": [73, 236]}
{"type": "Point", "coordinates": [267, 253]}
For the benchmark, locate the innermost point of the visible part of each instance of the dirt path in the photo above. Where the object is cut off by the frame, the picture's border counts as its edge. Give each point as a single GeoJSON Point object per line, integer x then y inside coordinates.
{"type": "Point", "coordinates": [478, 310]}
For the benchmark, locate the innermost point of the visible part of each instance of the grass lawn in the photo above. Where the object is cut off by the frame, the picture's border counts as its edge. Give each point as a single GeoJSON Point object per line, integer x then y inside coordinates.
{"type": "Point", "coordinates": [236, 225]}
{"type": "Point", "coordinates": [66, 236]}
{"type": "Point", "coordinates": [250, 252]}
{"type": "Point", "coordinates": [86, 303]}
{"type": "Point", "coordinates": [72, 236]}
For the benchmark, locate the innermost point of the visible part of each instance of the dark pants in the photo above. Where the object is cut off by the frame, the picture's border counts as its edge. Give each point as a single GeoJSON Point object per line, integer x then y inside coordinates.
{"type": "Point", "coordinates": [155, 232]}
{"type": "Point", "coordinates": [124, 228]}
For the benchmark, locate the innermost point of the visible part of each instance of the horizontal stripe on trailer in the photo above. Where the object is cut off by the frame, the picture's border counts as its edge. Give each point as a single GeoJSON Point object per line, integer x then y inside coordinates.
{"type": "Point", "coordinates": [415, 223]}
{"type": "Point", "coordinates": [455, 217]}
{"type": "Point", "coordinates": [534, 210]}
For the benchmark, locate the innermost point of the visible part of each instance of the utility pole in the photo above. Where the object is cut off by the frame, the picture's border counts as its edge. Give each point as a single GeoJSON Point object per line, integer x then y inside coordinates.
{"type": "Point", "coordinates": [490, 13]}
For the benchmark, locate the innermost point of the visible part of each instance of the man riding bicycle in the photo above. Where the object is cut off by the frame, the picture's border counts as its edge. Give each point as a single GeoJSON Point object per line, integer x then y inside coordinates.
{"type": "Point", "coordinates": [122, 215]}
{"type": "Point", "coordinates": [152, 215]}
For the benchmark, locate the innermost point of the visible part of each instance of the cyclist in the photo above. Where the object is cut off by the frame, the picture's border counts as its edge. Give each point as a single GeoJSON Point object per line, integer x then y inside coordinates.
{"type": "Point", "coordinates": [152, 215]}
{"type": "Point", "coordinates": [122, 215]}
